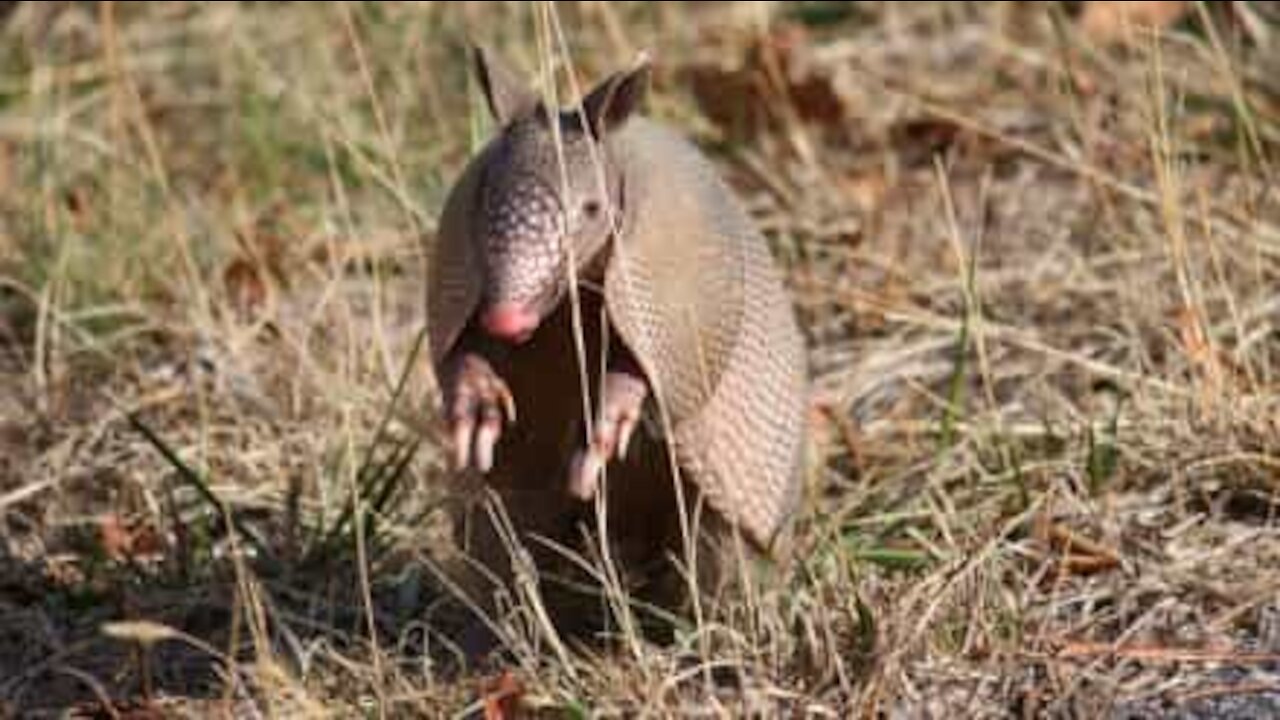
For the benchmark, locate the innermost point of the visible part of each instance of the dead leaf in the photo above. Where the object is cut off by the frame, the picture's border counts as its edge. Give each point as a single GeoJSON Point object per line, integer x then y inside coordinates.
{"type": "Point", "coordinates": [812, 94]}
{"type": "Point", "coordinates": [1111, 21]}
{"type": "Point", "coordinates": [831, 418]}
{"type": "Point", "coordinates": [1071, 542]}
{"type": "Point", "coordinates": [730, 98]}
{"type": "Point", "coordinates": [78, 200]}
{"type": "Point", "coordinates": [1218, 371]}
{"type": "Point", "coordinates": [1205, 126]}
{"type": "Point", "coordinates": [113, 537]}
{"type": "Point", "coordinates": [1082, 565]}
{"type": "Point", "coordinates": [867, 190]}
{"type": "Point", "coordinates": [120, 542]}
{"type": "Point", "coordinates": [1069, 552]}
{"type": "Point", "coordinates": [502, 696]}
{"type": "Point", "coordinates": [1191, 333]}
{"type": "Point", "coordinates": [768, 87]}
{"type": "Point", "coordinates": [245, 288]}
{"type": "Point", "coordinates": [919, 140]}
{"type": "Point", "coordinates": [270, 246]}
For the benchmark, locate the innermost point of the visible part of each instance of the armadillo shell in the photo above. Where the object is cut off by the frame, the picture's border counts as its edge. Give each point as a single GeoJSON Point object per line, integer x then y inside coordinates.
{"type": "Point", "coordinates": [694, 292]}
{"type": "Point", "coordinates": [456, 282]}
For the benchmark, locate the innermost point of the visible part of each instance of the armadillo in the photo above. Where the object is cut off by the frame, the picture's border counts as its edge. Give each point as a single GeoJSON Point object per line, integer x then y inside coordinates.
{"type": "Point", "coordinates": [591, 249]}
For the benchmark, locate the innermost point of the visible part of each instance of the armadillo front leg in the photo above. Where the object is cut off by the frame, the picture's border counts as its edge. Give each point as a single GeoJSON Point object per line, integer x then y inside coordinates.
{"type": "Point", "coordinates": [477, 401]}
{"type": "Point", "coordinates": [624, 393]}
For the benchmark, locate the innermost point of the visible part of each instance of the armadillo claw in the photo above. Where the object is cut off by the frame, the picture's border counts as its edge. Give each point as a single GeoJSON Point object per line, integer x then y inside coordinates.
{"type": "Point", "coordinates": [486, 438]}
{"type": "Point", "coordinates": [508, 402]}
{"type": "Point", "coordinates": [626, 426]}
{"type": "Point", "coordinates": [478, 402]}
{"type": "Point", "coordinates": [462, 442]}
{"type": "Point", "coordinates": [624, 395]}
{"type": "Point", "coordinates": [584, 473]}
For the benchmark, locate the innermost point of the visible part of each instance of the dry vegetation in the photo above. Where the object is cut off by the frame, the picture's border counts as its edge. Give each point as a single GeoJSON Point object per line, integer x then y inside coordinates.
{"type": "Point", "coordinates": [1036, 258]}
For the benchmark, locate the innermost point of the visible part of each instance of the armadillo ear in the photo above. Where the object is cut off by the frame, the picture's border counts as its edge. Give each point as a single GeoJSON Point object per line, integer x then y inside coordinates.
{"type": "Point", "coordinates": [507, 96]}
{"type": "Point", "coordinates": [614, 100]}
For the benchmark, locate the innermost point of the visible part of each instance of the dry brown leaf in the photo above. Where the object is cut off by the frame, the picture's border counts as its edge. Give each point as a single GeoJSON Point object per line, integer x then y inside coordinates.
{"type": "Point", "coordinates": [1074, 544]}
{"type": "Point", "coordinates": [1214, 366]}
{"type": "Point", "coordinates": [918, 140]}
{"type": "Point", "coordinates": [867, 190]}
{"type": "Point", "coordinates": [835, 424]}
{"type": "Point", "coordinates": [114, 538]}
{"type": "Point", "coordinates": [121, 542]}
{"type": "Point", "coordinates": [768, 88]}
{"type": "Point", "coordinates": [1081, 565]}
{"type": "Point", "coordinates": [270, 249]}
{"type": "Point", "coordinates": [272, 240]}
{"type": "Point", "coordinates": [1110, 21]}
{"type": "Point", "coordinates": [245, 288]}
{"type": "Point", "coordinates": [1069, 552]}
{"type": "Point", "coordinates": [1204, 126]}
{"type": "Point", "coordinates": [812, 94]}
{"type": "Point", "coordinates": [502, 696]}
{"type": "Point", "coordinates": [1194, 342]}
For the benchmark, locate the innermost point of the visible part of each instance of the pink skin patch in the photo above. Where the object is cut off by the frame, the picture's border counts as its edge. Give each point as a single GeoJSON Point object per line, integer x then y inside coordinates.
{"type": "Point", "coordinates": [510, 322]}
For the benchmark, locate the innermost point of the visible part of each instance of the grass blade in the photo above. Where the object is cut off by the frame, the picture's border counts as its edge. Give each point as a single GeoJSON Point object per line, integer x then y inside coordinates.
{"type": "Point", "coordinates": [222, 512]}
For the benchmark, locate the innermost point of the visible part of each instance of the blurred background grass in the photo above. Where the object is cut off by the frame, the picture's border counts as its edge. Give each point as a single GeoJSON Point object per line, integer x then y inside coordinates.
{"type": "Point", "coordinates": [1034, 247]}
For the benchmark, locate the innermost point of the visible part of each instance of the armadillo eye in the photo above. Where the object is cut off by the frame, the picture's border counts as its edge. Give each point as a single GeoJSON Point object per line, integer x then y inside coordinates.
{"type": "Point", "coordinates": [591, 208]}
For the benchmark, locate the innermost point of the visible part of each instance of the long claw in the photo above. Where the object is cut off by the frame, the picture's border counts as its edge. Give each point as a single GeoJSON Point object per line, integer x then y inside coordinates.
{"type": "Point", "coordinates": [462, 442]}
{"type": "Point", "coordinates": [625, 428]}
{"type": "Point", "coordinates": [584, 474]}
{"type": "Point", "coordinates": [486, 437]}
{"type": "Point", "coordinates": [605, 437]}
{"type": "Point", "coordinates": [508, 403]}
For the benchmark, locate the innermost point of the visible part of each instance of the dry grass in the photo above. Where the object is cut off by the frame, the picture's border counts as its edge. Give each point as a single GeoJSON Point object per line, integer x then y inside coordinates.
{"type": "Point", "coordinates": [1038, 277]}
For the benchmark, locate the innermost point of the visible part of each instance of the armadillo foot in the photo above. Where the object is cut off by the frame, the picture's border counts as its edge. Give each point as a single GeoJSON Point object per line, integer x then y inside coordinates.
{"type": "Point", "coordinates": [477, 401]}
{"type": "Point", "coordinates": [624, 395]}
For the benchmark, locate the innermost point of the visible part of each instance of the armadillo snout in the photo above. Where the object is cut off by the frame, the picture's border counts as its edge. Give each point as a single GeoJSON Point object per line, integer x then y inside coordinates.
{"type": "Point", "coordinates": [510, 321]}
{"type": "Point", "coordinates": [522, 247]}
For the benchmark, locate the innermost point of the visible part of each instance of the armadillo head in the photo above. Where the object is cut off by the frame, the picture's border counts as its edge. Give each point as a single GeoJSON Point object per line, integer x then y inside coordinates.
{"type": "Point", "coordinates": [549, 200]}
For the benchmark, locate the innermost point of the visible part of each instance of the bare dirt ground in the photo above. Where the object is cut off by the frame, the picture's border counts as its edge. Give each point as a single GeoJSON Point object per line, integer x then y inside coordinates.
{"type": "Point", "coordinates": [1035, 249]}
